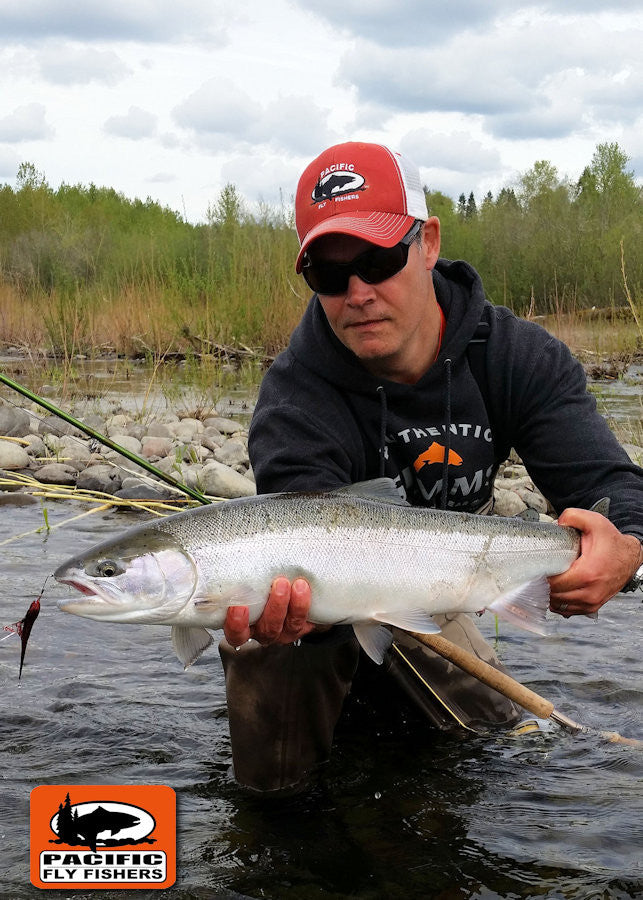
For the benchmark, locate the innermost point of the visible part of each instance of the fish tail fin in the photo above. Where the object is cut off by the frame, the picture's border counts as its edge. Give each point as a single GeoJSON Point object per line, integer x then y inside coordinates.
{"type": "Point", "coordinates": [525, 606]}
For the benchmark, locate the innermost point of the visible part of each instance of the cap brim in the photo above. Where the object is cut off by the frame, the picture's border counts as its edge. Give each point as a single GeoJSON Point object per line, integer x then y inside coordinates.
{"type": "Point", "coordinates": [383, 229]}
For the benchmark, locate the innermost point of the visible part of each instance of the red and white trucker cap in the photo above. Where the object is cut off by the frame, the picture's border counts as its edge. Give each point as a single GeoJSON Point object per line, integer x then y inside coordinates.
{"type": "Point", "coordinates": [365, 190]}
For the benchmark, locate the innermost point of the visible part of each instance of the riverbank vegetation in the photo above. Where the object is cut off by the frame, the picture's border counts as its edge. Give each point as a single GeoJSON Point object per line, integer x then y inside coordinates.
{"type": "Point", "coordinates": [84, 270]}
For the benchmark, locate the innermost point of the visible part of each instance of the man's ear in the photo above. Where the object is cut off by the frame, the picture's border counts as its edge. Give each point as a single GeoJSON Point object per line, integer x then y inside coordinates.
{"type": "Point", "coordinates": [431, 241]}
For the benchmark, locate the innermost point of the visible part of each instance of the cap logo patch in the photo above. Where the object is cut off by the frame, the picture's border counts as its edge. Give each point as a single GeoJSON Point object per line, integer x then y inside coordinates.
{"type": "Point", "coordinates": [337, 180]}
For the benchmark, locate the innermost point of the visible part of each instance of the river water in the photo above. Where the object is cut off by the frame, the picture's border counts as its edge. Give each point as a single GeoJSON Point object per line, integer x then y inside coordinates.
{"type": "Point", "coordinates": [399, 812]}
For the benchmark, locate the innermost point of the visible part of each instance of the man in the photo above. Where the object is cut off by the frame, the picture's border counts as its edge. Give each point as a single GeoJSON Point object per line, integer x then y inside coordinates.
{"type": "Point", "coordinates": [401, 367]}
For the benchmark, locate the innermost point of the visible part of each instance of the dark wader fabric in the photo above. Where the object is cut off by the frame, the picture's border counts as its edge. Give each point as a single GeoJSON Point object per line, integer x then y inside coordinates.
{"type": "Point", "coordinates": [284, 701]}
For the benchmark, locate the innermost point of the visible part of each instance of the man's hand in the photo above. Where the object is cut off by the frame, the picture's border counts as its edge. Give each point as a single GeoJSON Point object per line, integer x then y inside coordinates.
{"type": "Point", "coordinates": [283, 620]}
{"type": "Point", "coordinates": [607, 561]}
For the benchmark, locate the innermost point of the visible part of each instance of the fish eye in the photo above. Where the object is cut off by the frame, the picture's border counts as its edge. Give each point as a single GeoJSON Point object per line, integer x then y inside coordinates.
{"type": "Point", "coordinates": [106, 568]}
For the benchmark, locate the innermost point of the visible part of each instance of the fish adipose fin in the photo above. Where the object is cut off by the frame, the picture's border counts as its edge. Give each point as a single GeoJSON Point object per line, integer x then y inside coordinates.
{"type": "Point", "coordinates": [525, 606]}
{"type": "Point", "coordinates": [189, 643]}
{"type": "Point", "coordinates": [381, 489]}
{"type": "Point", "coordinates": [374, 639]}
{"type": "Point", "coordinates": [409, 620]}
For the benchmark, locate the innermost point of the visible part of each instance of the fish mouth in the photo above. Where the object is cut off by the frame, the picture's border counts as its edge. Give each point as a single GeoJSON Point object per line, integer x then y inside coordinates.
{"type": "Point", "coordinates": [91, 599]}
{"type": "Point", "coordinates": [90, 592]}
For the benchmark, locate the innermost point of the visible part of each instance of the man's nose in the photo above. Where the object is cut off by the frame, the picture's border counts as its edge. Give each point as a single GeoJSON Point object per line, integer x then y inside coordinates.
{"type": "Point", "coordinates": [358, 292]}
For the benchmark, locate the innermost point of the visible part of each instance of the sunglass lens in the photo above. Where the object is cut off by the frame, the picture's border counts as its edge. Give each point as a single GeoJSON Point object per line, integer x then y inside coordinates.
{"type": "Point", "coordinates": [378, 265]}
{"type": "Point", "coordinates": [327, 277]}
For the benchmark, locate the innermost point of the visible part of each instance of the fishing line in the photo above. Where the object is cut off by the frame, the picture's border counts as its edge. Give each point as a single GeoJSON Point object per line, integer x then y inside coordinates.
{"type": "Point", "coordinates": [128, 454]}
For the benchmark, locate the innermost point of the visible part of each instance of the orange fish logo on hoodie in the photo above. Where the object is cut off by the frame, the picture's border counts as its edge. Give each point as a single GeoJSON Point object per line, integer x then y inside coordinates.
{"type": "Point", "coordinates": [435, 454]}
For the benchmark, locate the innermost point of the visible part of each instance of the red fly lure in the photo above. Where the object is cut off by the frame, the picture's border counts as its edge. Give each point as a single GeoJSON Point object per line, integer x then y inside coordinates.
{"type": "Point", "coordinates": [24, 626]}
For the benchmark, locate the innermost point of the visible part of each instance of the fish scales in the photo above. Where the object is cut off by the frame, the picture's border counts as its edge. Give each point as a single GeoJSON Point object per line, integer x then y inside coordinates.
{"type": "Point", "coordinates": [367, 559]}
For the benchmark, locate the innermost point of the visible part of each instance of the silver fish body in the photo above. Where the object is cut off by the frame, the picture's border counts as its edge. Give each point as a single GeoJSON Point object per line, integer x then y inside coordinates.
{"type": "Point", "coordinates": [369, 558]}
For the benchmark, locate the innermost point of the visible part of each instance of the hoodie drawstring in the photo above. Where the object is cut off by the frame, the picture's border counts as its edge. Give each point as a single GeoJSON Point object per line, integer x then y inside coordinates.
{"type": "Point", "coordinates": [447, 434]}
{"type": "Point", "coordinates": [383, 423]}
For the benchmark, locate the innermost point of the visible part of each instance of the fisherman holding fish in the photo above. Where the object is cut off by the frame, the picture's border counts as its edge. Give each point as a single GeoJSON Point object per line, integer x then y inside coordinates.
{"type": "Point", "coordinates": [402, 368]}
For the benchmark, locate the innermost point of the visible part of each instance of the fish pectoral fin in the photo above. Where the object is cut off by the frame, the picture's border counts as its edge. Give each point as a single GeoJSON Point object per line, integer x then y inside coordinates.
{"type": "Point", "coordinates": [410, 620]}
{"type": "Point", "coordinates": [525, 606]}
{"type": "Point", "coordinates": [189, 643]}
{"type": "Point", "coordinates": [374, 639]}
{"type": "Point", "coordinates": [237, 595]}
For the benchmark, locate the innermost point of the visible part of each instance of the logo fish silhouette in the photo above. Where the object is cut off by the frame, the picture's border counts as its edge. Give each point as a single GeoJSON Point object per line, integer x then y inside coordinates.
{"type": "Point", "coordinates": [435, 454]}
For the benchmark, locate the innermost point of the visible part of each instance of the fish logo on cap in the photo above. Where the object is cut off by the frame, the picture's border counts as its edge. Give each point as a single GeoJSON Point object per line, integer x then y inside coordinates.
{"type": "Point", "coordinates": [337, 183]}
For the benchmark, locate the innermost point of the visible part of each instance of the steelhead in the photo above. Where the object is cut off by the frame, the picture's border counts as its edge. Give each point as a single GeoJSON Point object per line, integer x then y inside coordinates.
{"type": "Point", "coordinates": [370, 559]}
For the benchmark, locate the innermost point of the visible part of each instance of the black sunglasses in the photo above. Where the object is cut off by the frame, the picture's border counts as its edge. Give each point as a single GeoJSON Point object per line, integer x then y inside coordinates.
{"type": "Point", "coordinates": [372, 266]}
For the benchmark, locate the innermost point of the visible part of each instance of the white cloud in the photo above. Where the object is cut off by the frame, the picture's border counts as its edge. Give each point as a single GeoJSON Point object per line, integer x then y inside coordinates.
{"type": "Point", "coordinates": [137, 123]}
{"type": "Point", "coordinates": [25, 123]}
{"type": "Point", "coordinates": [218, 108]}
{"type": "Point", "coordinates": [529, 75]}
{"type": "Point", "coordinates": [98, 20]}
{"type": "Point", "coordinates": [81, 65]}
{"type": "Point", "coordinates": [414, 23]}
{"type": "Point", "coordinates": [455, 151]}
{"type": "Point", "coordinates": [220, 114]}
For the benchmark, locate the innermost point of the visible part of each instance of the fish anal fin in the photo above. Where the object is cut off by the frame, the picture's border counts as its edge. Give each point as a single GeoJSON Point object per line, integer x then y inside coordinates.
{"type": "Point", "coordinates": [409, 620]}
{"type": "Point", "coordinates": [525, 606]}
{"type": "Point", "coordinates": [190, 643]}
{"type": "Point", "coordinates": [374, 639]}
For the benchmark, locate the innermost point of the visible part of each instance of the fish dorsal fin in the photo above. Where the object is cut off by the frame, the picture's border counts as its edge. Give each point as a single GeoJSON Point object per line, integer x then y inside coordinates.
{"type": "Point", "coordinates": [382, 489]}
{"type": "Point", "coordinates": [189, 643]}
{"type": "Point", "coordinates": [602, 506]}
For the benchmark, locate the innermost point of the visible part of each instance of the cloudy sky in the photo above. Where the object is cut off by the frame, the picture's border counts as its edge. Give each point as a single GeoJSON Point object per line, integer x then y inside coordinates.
{"type": "Point", "coordinates": [172, 99]}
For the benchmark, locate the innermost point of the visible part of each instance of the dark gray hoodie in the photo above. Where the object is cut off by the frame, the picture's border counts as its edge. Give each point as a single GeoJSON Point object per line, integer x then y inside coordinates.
{"type": "Point", "coordinates": [322, 420]}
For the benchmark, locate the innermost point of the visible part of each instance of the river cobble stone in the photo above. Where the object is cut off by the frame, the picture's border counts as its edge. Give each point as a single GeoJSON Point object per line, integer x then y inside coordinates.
{"type": "Point", "coordinates": [210, 456]}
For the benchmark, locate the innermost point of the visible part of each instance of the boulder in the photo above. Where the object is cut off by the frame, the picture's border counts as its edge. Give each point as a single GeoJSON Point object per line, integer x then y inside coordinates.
{"type": "Point", "coordinates": [56, 473]}
{"type": "Point", "coordinates": [134, 489]}
{"type": "Point", "coordinates": [159, 429]}
{"type": "Point", "coordinates": [156, 447]}
{"type": "Point", "coordinates": [35, 445]}
{"type": "Point", "coordinates": [58, 426]}
{"type": "Point", "coordinates": [219, 480]}
{"type": "Point", "coordinates": [233, 453]}
{"type": "Point", "coordinates": [225, 426]}
{"type": "Point", "coordinates": [13, 456]}
{"type": "Point", "coordinates": [508, 504]}
{"type": "Point", "coordinates": [14, 422]}
{"type": "Point", "coordinates": [100, 479]}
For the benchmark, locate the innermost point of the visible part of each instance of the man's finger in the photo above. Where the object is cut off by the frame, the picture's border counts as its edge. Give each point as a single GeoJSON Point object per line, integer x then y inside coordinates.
{"type": "Point", "coordinates": [270, 624]}
{"type": "Point", "coordinates": [296, 619]}
{"type": "Point", "coordinates": [236, 628]}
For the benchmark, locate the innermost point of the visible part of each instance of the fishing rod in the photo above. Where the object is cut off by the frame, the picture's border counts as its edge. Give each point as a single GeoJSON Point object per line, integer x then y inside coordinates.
{"type": "Point", "coordinates": [101, 438]}
{"type": "Point", "coordinates": [511, 688]}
